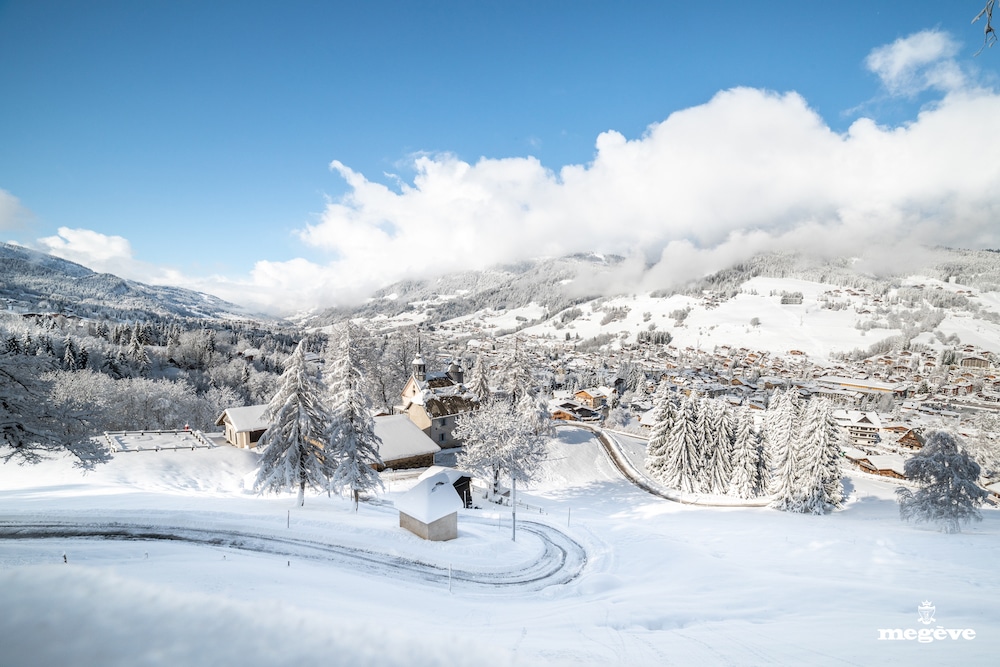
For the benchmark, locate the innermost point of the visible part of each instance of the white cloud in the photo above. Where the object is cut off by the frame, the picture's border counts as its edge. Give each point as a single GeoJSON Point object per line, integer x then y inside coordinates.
{"type": "Point", "coordinates": [750, 170]}
{"type": "Point", "coordinates": [94, 250]}
{"type": "Point", "coordinates": [916, 63]}
{"type": "Point", "coordinates": [13, 214]}
{"type": "Point", "coordinates": [747, 171]}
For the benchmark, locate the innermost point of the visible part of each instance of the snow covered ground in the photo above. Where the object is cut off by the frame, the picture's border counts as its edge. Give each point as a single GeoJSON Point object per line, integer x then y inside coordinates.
{"type": "Point", "coordinates": [662, 583]}
{"type": "Point", "coordinates": [807, 327]}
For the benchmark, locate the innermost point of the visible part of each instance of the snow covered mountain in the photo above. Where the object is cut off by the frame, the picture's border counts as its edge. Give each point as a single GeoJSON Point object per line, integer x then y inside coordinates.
{"type": "Point", "coordinates": [34, 281]}
{"type": "Point", "coordinates": [777, 302]}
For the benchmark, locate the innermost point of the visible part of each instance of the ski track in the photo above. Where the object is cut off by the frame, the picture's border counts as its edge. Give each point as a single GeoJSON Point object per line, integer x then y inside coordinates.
{"type": "Point", "coordinates": [562, 561]}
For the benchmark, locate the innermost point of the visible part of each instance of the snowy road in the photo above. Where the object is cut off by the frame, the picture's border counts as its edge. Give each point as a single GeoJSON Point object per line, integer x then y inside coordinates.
{"type": "Point", "coordinates": [561, 561]}
{"type": "Point", "coordinates": [613, 450]}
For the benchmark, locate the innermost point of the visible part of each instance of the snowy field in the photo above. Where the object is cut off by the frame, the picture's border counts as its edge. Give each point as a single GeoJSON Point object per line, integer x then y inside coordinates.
{"type": "Point", "coordinates": [183, 566]}
{"type": "Point", "coordinates": [808, 327]}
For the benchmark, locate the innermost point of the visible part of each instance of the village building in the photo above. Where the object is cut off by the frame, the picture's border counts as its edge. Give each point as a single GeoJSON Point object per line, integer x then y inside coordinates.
{"type": "Point", "coordinates": [594, 398]}
{"type": "Point", "coordinates": [404, 445]}
{"type": "Point", "coordinates": [244, 425]}
{"type": "Point", "coordinates": [862, 427]}
{"type": "Point", "coordinates": [975, 362]}
{"type": "Point", "coordinates": [435, 401]}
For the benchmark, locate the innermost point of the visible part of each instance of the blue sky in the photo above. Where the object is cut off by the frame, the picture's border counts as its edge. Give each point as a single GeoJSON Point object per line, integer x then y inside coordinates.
{"type": "Point", "coordinates": [192, 142]}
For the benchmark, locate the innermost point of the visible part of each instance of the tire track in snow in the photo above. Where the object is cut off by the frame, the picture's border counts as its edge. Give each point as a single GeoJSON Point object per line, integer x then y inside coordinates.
{"type": "Point", "coordinates": [562, 560]}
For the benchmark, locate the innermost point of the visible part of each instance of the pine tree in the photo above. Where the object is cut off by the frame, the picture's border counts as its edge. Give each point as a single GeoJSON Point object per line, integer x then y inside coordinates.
{"type": "Point", "coordinates": [300, 425]}
{"type": "Point", "coordinates": [719, 463]}
{"type": "Point", "coordinates": [517, 378]}
{"type": "Point", "coordinates": [353, 447]}
{"type": "Point", "coordinates": [682, 455]}
{"type": "Point", "coordinates": [705, 428]}
{"type": "Point", "coordinates": [746, 455]}
{"type": "Point", "coordinates": [663, 422]}
{"type": "Point", "coordinates": [480, 386]}
{"type": "Point", "coordinates": [949, 495]}
{"type": "Point", "coordinates": [137, 351]}
{"type": "Point", "coordinates": [69, 355]}
{"type": "Point", "coordinates": [781, 435]}
{"type": "Point", "coordinates": [818, 478]}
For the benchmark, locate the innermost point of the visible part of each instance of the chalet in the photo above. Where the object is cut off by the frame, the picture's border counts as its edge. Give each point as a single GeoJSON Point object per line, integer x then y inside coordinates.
{"type": "Point", "coordinates": [403, 445]}
{"type": "Point", "coordinates": [434, 401]}
{"type": "Point", "coordinates": [430, 509]}
{"type": "Point", "coordinates": [594, 398]}
{"type": "Point", "coordinates": [912, 439]}
{"type": "Point", "coordinates": [885, 465]}
{"type": "Point", "coordinates": [976, 362]}
{"type": "Point", "coordinates": [574, 412]}
{"type": "Point", "coordinates": [244, 426]}
{"type": "Point", "coordinates": [862, 427]}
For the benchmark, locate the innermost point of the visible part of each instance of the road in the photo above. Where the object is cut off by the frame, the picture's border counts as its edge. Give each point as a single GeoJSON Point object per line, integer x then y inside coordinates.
{"type": "Point", "coordinates": [561, 561]}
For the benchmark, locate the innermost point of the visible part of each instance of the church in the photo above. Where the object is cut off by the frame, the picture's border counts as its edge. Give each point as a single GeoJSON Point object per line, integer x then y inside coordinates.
{"type": "Point", "coordinates": [434, 401]}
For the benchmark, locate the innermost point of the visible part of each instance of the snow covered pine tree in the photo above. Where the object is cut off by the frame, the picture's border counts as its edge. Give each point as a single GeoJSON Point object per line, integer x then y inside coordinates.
{"type": "Point", "coordinates": [949, 495]}
{"type": "Point", "coordinates": [782, 443]}
{"type": "Point", "coordinates": [663, 422]}
{"type": "Point", "coordinates": [300, 425]}
{"type": "Point", "coordinates": [747, 450]}
{"type": "Point", "coordinates": [682, 453]}
{"type": "Point", "coordinates": [818, 486]}
{"type": "Point", "coordinates": [352, 447]}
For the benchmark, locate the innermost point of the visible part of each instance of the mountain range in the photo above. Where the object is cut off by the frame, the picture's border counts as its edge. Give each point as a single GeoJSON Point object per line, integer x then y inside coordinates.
{"type": "Point", "coordinates": [34, 281]}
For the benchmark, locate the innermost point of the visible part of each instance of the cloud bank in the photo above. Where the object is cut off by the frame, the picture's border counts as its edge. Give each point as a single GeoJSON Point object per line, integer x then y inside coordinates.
{"type": "Point", "coordinates": [748, 171]}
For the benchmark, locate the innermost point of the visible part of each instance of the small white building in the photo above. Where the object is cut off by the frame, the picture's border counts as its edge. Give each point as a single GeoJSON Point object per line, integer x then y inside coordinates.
{"type": "Point", "coordinates": [245, 425]}
{"type": "Point", "coordinates": [430, 509]}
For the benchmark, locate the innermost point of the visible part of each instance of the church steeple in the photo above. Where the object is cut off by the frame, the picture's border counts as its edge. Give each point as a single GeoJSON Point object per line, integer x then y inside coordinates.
{"type": "Point", "coordinates": [419, 366]}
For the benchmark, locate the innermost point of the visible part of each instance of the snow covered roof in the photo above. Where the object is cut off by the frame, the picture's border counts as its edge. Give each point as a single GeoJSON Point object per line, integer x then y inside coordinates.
{"type": "Point", "coordinates": [453, 474]}
{"type": "Point", "coordinates": [431, 499]}
{"type": "Point", "coordinates": [858, 418]}
{"type": "Point", "coordinates": [855, 454]}
{"type": "Point", "coordinates": [402, 439]}
{"type": "Point", "coordinates": [443, 406]}
{"type": "Point", "coordinates": [870, 385]}
{"type": "Point", "coordinates": [892, 462]}
{"type": "Point", "coordinates": [248, 418]}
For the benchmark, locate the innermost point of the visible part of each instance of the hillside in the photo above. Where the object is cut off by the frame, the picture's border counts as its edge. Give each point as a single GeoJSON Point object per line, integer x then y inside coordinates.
{"type": "Point", "coordinates": [776, 302]}
{"type": "Point", "coordinates": [32, 281]}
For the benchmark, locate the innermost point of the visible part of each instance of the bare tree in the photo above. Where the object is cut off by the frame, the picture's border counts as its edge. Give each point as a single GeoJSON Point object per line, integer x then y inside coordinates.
{"type": "Point", "coordinates": [989, 34]}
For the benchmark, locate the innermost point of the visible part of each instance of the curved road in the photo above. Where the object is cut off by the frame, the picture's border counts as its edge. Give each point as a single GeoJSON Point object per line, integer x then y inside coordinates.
{"type": "Point", "coordinates": [562, 561]}
{"type": "Point", "coordinates": [613, 451]}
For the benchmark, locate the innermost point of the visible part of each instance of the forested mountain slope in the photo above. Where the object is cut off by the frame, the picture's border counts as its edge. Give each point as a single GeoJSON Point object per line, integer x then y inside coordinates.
{"type": "Point", "coordinates": [32, 281]}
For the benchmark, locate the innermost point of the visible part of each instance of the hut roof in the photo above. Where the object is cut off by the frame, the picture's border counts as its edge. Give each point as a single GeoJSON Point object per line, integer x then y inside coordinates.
{"type": "Point", "coordinates": [431, 499]}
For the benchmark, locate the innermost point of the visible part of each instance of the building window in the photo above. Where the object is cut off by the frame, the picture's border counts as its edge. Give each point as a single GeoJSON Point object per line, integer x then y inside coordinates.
{"type": "Point", "coordinates": [441, 437]}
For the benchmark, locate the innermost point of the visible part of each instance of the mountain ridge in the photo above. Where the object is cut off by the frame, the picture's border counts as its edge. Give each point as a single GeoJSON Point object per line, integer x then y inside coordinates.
{"type": "Point", "coordinates": [31, 280]}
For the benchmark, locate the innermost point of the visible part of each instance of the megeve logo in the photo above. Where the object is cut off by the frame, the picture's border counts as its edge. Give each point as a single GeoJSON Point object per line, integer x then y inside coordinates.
{"type": "Point", "coordinates": [926, 635]}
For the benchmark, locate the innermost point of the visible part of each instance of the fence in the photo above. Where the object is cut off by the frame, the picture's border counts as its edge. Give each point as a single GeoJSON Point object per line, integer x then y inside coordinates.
{"type": "Point", "coordinates": [156, 440]}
